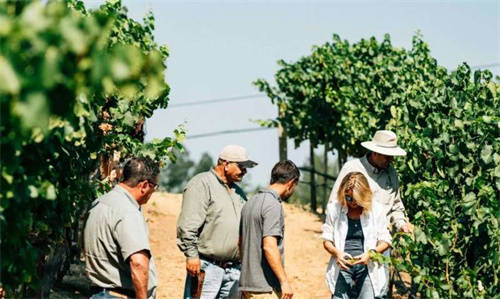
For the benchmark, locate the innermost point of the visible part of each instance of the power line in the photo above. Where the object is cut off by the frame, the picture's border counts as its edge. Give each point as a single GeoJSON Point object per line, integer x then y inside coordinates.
{"type": "Point", "coordinates": [226, 132]}
{"type": "Point", "coordinates": [219, 100]}
{"type": "Point", "coordinates": [495, 64]}
{"type": "Point", "coordinates": [252, 96]}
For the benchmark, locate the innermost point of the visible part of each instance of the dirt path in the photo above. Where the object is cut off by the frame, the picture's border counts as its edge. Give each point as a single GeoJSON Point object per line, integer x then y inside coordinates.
{"type": "Point", "coordinates": [305, 258]}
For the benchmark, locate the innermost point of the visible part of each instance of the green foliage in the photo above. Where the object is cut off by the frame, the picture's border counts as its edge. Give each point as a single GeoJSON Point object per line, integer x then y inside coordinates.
{"type": "Point", "coordinates": [449, 122]}
{"type": "Point", "coordinates": [63, 73]}
{"type": "Point", "coordinates": [302, 195]}
{"type": "Point", "coordinates": [174, 177]}
{"type": "Point", "coordinates": [206, 162]}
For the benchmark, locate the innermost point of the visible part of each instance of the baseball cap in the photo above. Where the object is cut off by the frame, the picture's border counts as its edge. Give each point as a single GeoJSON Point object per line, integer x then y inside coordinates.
{"type": "Point", "coordinates": [236, 153]}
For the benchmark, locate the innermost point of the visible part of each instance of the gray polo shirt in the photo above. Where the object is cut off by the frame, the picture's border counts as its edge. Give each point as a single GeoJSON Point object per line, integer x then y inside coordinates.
{"type": "Point", "coordinates": [261, 216]}
{"type": "Point", "coordinates": [210, 217]}
{"type": "Point", "coordinates": [115, 229]}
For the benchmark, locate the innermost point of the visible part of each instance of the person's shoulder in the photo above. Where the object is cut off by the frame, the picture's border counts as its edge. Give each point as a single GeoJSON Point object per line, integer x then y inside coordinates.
{"type": "Point", "coordinates": [333, 209]}
{"type": "Point", "coordinates": [378, 208]}
{"type": "Point", "coordinates": [273, 195]}
{"type": "Point", "coordinates": [265, 199]}
{"type": "Point", "coordinates": [334, 205]}
{"type": "Point", "coordinates": [118, 202]}
{"type": "Point", "coordinates": [353, 165]}
{"type": "Point", "coordinates": [270, 201]}
{"type": "Point", "coordinates": [254, 200]}
{"type": "Point", "coordinates": [200, 178]}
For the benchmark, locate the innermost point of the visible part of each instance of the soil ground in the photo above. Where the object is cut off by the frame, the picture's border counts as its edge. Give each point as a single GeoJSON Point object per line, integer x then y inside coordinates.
{"type": "Point", "coordinates": [305, 258]}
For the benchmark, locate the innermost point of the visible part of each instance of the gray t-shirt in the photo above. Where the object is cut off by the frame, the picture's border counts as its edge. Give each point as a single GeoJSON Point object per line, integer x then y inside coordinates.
{"type": "Point", "coordinates": [261, 216]}
{"type": "Point", "coordinates": [116, 229]}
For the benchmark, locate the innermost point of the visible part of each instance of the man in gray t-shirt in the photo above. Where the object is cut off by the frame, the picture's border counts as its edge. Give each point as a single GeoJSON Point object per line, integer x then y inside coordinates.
{"type": "Point", "coordinates": [261, 236]}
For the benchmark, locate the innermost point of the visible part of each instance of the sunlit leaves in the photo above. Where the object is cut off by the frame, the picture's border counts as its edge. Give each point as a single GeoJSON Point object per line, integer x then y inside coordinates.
{"type": "Point", "coordinates": [449, 123]}
{"type": "Point", "coordinates": [61, 68]}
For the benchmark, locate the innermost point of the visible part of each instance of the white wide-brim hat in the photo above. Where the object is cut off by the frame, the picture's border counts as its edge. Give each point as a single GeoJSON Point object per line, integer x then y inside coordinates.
{"type": "Point", "coordinates": [384, 142]}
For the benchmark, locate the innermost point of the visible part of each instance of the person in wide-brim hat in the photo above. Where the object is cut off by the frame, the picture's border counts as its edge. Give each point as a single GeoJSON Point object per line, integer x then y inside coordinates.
{"type": "Point", "coordinates": [376, 167]}
{"type": "Point", "coordinates": [384, 142]}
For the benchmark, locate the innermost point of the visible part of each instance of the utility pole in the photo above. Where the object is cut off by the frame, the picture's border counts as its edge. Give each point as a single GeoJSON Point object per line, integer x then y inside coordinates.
{"type": "Point", "coordinates": [282, 143]}
{"type": "Point", "coordinates": [342, 157]}
{"type": "Point", "coordinates": [325, 186]}
{"type": "Point", "coordinates": [313, 178]}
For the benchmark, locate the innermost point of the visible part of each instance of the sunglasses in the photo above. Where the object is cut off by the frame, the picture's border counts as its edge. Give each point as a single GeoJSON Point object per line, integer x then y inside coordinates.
{"type": "Point", "coordinates": [155, 186]}
{"type": "Point", "coordinates": [349, 199]}
{"type": "Point", "coordinates": [240, 165]}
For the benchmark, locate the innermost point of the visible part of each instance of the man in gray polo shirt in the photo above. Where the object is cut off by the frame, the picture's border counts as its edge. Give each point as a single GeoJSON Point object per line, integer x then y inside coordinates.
{"type": "Point", "coordinates": [261, 237]}
{"type": "Point", "coordinates": [207, 229]}
{"type": "Point", "coordinates": [118, 257]}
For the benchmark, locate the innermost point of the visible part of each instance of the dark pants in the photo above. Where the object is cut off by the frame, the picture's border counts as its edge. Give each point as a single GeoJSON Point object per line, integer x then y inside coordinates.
{"type": "Point", "coordinates": [354, 283]}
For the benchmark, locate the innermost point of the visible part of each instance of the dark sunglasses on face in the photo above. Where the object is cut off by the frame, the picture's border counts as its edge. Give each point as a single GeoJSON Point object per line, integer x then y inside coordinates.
{"type": "Point", "coordinates": [240, 166]}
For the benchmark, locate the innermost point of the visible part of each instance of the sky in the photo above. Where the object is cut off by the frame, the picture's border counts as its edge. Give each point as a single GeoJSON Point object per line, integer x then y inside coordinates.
{"type": "Point", "coordinates": [218, 48]}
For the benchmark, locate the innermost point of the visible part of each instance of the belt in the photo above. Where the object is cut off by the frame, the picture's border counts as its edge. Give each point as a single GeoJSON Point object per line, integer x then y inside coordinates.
{"type": "Point", "coordinates": [118, 292]}
{"type": "Point", "coordinates": [222, 264]}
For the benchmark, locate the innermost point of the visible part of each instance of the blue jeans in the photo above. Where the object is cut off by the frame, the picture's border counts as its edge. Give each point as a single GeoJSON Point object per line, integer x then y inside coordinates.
{"type": "Point", "coordinates": [354, 283]}
{"type": "Point", "coordinates": [103, 295]}
{"type": "Point", "coordinates": [218, 283]}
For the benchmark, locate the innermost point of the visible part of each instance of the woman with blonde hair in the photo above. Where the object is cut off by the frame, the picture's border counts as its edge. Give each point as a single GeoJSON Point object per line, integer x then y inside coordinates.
{"type": "Point", "coordinates": [354, 226]}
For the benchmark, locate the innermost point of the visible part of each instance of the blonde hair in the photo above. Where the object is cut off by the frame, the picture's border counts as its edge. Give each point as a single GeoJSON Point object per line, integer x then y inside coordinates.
{"type": "Point", "coordinates": [361, 192]}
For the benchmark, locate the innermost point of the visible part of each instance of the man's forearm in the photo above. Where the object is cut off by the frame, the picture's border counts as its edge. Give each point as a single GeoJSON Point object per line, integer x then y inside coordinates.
{"type": "Point", "coordinates": [397, 213]}
{"type": "Point", "coordinates": [273, 257]}
{"type": "Point", "coordinates": [139, 269]}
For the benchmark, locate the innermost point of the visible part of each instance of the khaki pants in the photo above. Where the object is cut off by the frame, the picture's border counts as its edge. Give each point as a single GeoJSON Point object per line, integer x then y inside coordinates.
{"type": "Point", "coordinates": [250, 295]}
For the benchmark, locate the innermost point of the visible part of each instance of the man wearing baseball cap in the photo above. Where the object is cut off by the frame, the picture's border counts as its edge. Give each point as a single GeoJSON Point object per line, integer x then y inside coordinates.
{"type": "Point", "coordinates": [377, 167]}
{"type": "Point", "coordinates": [208, 226]}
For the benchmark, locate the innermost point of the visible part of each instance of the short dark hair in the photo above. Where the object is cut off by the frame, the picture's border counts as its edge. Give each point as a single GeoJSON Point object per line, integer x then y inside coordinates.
{"type": "Point", "coordinates": [284, 171]}
{"type": "Point", "coordinates": [139, 169]}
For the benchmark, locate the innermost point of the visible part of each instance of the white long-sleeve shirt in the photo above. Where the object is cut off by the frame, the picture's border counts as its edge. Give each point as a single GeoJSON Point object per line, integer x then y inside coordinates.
{"type": "Point", "coordinates": [374, 226]}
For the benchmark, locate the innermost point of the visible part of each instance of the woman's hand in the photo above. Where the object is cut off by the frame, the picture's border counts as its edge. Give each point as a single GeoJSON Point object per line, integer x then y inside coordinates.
{"type": "Point", "coordinates": [362, 259]}
{"type": "Point", "coordinates": [342, 260]}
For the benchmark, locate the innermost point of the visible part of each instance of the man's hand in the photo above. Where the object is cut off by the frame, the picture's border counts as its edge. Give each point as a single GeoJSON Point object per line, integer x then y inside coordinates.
{"type": "Point", "coordinates": [342, 260]}
{"type": "Point", "coordinates": [286, 290]}
{"type": "Point", "coordinates": [193, 266]}
{"type": "Point", "coordinates": [362, 259]}
{"type": "Point", "coordinates": [407, 228]}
